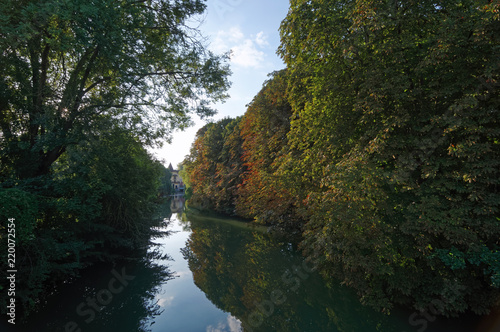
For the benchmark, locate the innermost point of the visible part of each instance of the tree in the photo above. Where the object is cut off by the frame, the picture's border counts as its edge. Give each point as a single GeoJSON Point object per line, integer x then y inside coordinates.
{"type": "Point", "coordinates": [230, 169]}
{"type": "Point", "coordinates": [265, 193]}
{"type": "Point", "coordinates": [85, 88]}
{"type": "Point", "coordinates": [69, 64]}
{"type": "Point", "coordinates": [166, 184]}
{"type": "Point", "coordinates": [99, 205]}
{"type": "Point", "coordinates": [213, 167]}
{"type": "Point", "coordinates": [396, 117]}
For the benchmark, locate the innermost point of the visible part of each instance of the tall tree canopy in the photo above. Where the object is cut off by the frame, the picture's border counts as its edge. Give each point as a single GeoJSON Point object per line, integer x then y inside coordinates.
{"type": "Point", "coordinates": [69, 65]}
{"type": "Point", "coordinates": [232, 165]}
{"type": "Point", "coordinates": [397, 122]}
{"type": "Point", "coordinates": [265, 194]}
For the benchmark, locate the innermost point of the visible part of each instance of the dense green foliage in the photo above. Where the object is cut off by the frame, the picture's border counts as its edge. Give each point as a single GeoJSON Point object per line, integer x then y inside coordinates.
{"type": "Point", "coordinates": [98, 204]}
{"type": "Point", "coordinates": [380, 144]}
{"type": "Point", "coordinates": [68, 64]}
{"type": "Point", "coordinates": [86, 87]}
{"type": "Point", "coordinates": [403, 105]}
{"type": "Point", "coordinates": [166, 183]}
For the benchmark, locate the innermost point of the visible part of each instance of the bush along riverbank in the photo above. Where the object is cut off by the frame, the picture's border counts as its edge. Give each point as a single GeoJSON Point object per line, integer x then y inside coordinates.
{"type": "Point", "coordinates": [100, 205]}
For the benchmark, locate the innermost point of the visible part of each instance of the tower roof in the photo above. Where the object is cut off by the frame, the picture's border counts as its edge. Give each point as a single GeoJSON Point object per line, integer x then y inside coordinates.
{"type": "Point", "coordinates": [170, 168]}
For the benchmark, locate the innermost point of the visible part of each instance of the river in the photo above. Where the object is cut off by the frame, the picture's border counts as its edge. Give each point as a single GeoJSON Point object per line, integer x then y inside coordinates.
{"type": "Point", "coordinates": [216, 274]}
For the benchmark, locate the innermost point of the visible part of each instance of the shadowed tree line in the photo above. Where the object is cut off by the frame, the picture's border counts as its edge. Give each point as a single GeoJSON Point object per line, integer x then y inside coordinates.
{"type": "Point", "coordinates": [85, 89]}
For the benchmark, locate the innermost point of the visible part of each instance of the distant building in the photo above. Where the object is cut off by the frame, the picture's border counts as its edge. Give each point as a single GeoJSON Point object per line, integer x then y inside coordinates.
{"type": "Point", "coordinates": [176, 180]}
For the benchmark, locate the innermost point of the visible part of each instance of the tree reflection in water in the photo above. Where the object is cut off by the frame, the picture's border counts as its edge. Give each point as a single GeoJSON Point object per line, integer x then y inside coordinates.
{"type": "Point", "coordinates": [132, 305]}
{"type": "Point", "coordinates": [267, 285]}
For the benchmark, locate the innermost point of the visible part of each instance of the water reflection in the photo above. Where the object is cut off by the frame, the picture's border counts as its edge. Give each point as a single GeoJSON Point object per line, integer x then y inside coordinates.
{"type": "Point", "coordinates": [177, 204]}
{"type": "Point", "coordinates": [268, 286]}
{"type": "Point", "coordinates": [244, 280]}
{"type": "Point", "coordinates": [107, 298]}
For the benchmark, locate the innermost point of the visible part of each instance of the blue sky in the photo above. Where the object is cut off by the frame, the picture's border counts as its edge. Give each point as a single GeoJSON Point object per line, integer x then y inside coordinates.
{"type": "Point", "coordinates": [250, 28]}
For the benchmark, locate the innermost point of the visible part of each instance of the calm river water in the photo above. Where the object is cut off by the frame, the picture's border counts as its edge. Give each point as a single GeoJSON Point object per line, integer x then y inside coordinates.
{"type": "Point", "coordinates": [222, 275]}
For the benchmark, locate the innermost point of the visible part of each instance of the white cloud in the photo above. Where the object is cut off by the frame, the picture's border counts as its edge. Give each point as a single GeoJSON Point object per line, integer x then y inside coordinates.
{"type": "Point", "coordinates": [235, 34]}
{"type": "Point", "coordinates": [245, 51]}
{"type": "Point", "coordinates": [183, 274]}
{"type": "Point", "coordinates": [233, 325]}
{"type": "Point", "coordinates": [247, 55]}
{"type": "Point", "coordinates": [261, 39]}
{"type": "Point", "coordinates": [220, 328]}
{"type": "Point", "coordinates": [165, 301]}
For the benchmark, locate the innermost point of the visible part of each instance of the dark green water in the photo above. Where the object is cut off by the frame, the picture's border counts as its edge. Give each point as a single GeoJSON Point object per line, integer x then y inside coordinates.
{"type": "Point", "coordinates": [222, 275]}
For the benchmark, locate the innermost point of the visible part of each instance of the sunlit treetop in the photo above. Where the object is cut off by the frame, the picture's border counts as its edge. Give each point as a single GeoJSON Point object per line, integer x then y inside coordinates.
{"type": "Point", "coordinates": [71, 67]}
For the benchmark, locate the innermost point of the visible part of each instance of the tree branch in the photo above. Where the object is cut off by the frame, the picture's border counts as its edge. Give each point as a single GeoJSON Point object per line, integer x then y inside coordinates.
{"type": "Point", "coordinates": [82, 90]}
{"type": "Point", "coordinates": [96, 83]}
